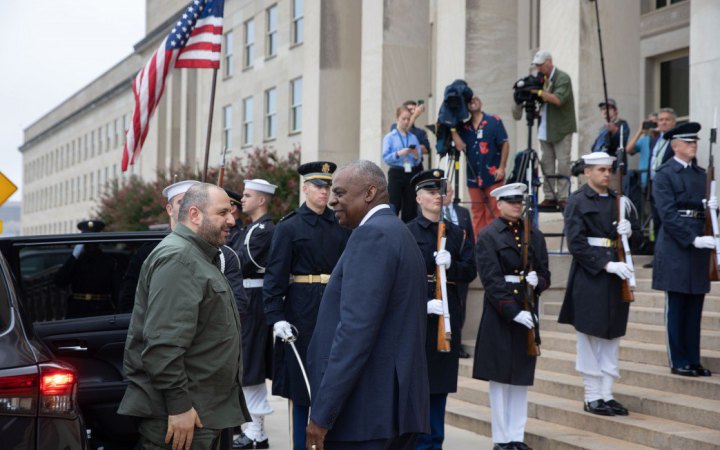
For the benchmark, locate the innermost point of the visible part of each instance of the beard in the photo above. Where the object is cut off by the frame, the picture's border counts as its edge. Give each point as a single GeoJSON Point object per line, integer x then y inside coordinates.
{"type": "Point", "coordinates": [212, 234]}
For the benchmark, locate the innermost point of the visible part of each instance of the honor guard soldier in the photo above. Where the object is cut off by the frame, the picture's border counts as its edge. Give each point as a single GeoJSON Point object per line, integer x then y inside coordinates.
{"type": "Point", "coordinates": [91, 275]}
{"type": "Point", "coordinates": [305, 248]}
{"type": "Point", "coordinates": [681, 250]}
{"type": "Point", "coordinates": [253, 248]}
{"type": "Point", "coordinates": [233, 239]}
{"type": "Point", "coordinates": [457, 257]}
{"type": "Point", "coordinates": [593, 303]}
{"type": "Point", "coordinates": [502, 353]}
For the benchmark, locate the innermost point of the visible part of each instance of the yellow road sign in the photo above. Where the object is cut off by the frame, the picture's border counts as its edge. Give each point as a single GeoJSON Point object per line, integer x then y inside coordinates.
{"type": "Point", "coordinates": [7, 188]}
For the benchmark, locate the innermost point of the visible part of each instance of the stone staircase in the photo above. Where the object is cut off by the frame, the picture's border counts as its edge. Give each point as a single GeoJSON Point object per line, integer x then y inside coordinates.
{"type": "Point", "coordinates": [666, 411]}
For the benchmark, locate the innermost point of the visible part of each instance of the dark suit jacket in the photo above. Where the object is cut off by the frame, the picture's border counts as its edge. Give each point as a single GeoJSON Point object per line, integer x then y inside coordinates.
{"type": "Point", "coordinates": [366, 360]}
{"type": "Point", "coordinates": [464, 221]}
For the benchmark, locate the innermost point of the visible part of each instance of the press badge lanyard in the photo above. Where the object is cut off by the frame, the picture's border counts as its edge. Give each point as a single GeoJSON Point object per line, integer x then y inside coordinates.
{"type": "Point", "coordinates": [479, 131]}
{"type": "Point", "coordinates": [406, 162]}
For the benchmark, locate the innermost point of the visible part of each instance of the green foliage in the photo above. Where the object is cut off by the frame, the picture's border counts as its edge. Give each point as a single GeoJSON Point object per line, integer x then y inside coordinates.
{"type": "Point", "coordinates": [134, 205]}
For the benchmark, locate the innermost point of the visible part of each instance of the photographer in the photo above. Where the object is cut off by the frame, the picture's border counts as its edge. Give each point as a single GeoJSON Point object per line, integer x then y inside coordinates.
{"type": "Point", "coordinates": [557, 125]}
{"type": "Point", "coordinates": [608, 139]}
{"type": "Point", "coordinates": [401, 151]}
{"type": "Point", "coordinates": [416, 109]}
{"type": "Point", "coordinates": [485, 142]}
{"type": "Point", "coordinates": [640, 143]}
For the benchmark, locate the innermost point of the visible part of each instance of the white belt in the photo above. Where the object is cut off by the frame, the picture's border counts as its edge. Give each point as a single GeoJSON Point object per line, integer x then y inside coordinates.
{"type": "Point", "coordinates": [253, 283]}
{"type": "Point", "coordinates": [513, 278]}
{"type": "Point", "coordinates": [601, 242]}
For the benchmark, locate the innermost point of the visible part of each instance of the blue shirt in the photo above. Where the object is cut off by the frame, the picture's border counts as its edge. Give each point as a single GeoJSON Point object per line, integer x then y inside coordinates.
{"type": "Point", "coordinates": [393, 142]}
{"type": "Point", "coordinates": [642, 146]}
{"type": "Point", "coordinates": [484, 148]}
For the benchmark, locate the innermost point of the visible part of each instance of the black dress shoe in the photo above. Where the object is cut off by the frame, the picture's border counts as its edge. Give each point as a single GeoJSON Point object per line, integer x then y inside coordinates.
{"type": "Point", "coordinates": [463, 354]}
{"type": "Point", "coordinates": [521, 446]}
{"type": "Point", "coordinates": [598, 407]}
{"type": "Point", "coordinates": [617, 408]}
{"type": "Point", "coordinates": [686, 371]}
{"type": "Point", "coordinates": [505, 446]}
{"type": "Point", "coordinates": [245, 442]}
{"type": "Point", "coordinates": [701, 371]}
{"type": "Point", "coordinates": [648, 265]}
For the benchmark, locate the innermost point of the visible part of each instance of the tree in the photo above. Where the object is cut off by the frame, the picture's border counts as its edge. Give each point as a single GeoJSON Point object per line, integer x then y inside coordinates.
{"type": "Point", "coordinates": [135, 205]}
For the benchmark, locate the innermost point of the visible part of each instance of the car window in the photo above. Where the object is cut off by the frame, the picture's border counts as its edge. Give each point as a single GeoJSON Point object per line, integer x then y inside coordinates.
{"type": "Point", "coordinates": [5, 310]}
{"type": "Point", "coordinates": [65, 281]}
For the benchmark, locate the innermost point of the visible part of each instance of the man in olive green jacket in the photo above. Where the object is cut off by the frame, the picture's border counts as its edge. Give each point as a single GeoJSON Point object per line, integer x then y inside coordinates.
{"type": "Point", "coordinates": [182, 354]}
{"type": "Point", "coordinates": [557, 125]}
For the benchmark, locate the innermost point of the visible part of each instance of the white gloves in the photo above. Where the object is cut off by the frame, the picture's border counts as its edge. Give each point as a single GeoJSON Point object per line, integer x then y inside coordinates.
{"type": "Point", "coordinates": [620, 269]}
{"type": "Point", "coordinates": [712, 203]}
{"type": "Point", "coordinates": [435, 306]}
{"type": "Point", "coordinates": [704, 242]}
{"type": "Point", "coordinates": [283, 330]}
{"type": "Point", "coordinates": [77, 251]}
{"type": "Point", "coordinates": [443, 258]}
{"type": "Point", "coordinates": [532, 279]}
{"type": "Point", "coordinates": [624, 228]}
{"type": "Point", "coordinates": [525, 319]}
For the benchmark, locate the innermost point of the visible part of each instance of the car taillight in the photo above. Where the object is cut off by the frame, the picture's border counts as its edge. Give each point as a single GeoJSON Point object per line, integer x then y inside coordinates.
{"type": "Point", "coordinates": [58, 384]}
{"type": "Point", "coordinates": [18, 391]}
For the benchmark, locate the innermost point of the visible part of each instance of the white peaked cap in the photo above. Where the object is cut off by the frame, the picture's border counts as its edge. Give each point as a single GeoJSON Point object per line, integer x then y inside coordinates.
{"type": "Point", "coordinates": [598, 159]}
{"type": "Point", "coordinates": [260, 185]}
{"type": "Point", "coordinates": [180, 187]}
{"type": "Point", "coordinates": [512, 190]}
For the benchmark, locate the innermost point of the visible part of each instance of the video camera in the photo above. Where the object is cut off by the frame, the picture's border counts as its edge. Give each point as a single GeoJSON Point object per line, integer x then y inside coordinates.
{"type": "Point", "coordinates": [453, 112]}
{"type": "Point", "coordinates": [524, 86]}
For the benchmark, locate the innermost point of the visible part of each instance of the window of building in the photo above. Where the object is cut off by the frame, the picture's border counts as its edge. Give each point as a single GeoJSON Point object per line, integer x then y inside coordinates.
{"type": "Point", "coordinates": [228, 49]}
{"type": "Point", "coordinates": [247, 107]}
{"type": "Point", "coordinates": [675, 85]}
{"type": "Point", "coordinates": [99, 183]}
{"type": "Point", "coordinates": [271, 113]}
{"type": "Point", "coordinates": [92, 143]}
{"type": "Point", "coordinates": [100, 140]}
{"type": "Point", "coordinates": [92, 186]}
{"type": "Point", "coordinates": [108, 134]}
{"type": "Point", "coordinates": [271, 16]}
{"type": "Point", "coordinates": [227, 127]}
{"type": "Point", "coordinates": [249, 43]}
{"type": "Point", "coordinates": [116, 135]}
{"type": "Point", "coordinates": [298, 22]}
{"type": "Point", "coordinates": [296, 104]}
{"type": "Point", "coordinates": [84, 187]}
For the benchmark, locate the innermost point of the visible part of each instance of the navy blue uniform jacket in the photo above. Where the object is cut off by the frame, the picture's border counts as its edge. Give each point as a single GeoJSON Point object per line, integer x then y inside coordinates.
{"type": "Point", "coordinates": [366, 359]}
{"type": "Point", "coordinates": [679, 266]}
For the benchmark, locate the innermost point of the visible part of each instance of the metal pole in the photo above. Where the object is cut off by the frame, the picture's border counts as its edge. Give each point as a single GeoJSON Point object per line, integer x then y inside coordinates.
{"type": "Point", "coordinates": [602, 61]}
{"type": "Point", "coordinates": [209, 127]}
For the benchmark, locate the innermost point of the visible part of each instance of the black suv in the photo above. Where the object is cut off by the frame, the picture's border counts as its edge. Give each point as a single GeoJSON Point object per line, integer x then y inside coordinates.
{"type": "Point", "coordinates": [63, 325]}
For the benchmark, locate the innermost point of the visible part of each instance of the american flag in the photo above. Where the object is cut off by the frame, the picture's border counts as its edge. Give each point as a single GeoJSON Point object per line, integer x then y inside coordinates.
{"type": "Point", "coordinates": [193, 42]}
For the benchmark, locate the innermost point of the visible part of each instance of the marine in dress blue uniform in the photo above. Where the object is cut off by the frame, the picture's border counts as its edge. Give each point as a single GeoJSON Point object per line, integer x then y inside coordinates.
{"type": "Point", "coordinates": [593, 303]}
{"type": "Point", "coordinates": [253, 247]}
{"type": "Point", "coordinates": [366, 361]}
{"type": "Point", "coordinates": [305, 247]}
{"type": "Point", "coordinates": [442, 366]}
{"type": "Point", "coordinates": [681, 251]}
{"type": "Point", "coordinates": [501, 351]}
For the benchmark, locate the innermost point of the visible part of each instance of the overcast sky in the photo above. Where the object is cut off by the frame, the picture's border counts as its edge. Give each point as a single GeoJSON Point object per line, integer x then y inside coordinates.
{"type": "Point", "coordinates": [51, 49]}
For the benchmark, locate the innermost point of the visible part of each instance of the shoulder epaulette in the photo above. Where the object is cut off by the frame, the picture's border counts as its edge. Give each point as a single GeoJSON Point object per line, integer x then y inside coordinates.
{"type": "Point", "coordinates": [292, 213]}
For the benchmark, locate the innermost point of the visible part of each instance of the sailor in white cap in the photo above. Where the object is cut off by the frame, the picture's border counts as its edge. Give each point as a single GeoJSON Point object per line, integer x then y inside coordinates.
{"type": "Point", "coordinates": [593, 303]}
{"type": "Point", "coordinates": [253, 246]}
{"type": "Point", "coordinates": [501, 352]}
{"type": "Point", "coordinates": [174, 195]}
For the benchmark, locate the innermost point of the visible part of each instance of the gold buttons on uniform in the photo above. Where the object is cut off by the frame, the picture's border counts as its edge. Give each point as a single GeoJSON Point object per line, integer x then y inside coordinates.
{"type": "Point", "coordinates": [515, 291]}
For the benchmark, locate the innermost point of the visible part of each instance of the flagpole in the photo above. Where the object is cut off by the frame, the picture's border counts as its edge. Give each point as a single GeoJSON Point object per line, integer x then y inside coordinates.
{"type": "Point", "coordinates": [209, 126]}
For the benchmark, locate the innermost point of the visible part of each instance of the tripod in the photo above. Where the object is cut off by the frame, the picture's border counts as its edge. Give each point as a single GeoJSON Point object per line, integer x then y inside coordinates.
{"type": "Point", "coordinates": [526, 167]}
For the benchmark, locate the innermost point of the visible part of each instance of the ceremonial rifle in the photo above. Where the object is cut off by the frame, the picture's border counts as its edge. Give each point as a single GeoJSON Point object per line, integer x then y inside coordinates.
{"type": "Point", "coordinates": [711, 223]}
{"type": "Point", "coordinates": [221, 174]}
{"type": "Point", "coordinates": [533, 339]}
{"type": "Point", "coordinates": [444, 331]}
{"type": "Point", "coordinates": [624, 207]}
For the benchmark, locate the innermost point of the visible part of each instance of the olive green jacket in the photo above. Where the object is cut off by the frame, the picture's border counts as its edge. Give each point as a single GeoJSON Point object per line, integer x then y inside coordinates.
{"type": "Point", "coordinates": [560, 119]}
{"type": "Point", "coordinates": [183, 343]}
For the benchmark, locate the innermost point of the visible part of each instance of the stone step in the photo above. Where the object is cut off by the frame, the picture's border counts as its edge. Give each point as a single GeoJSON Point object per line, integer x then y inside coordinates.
{"type": "Point", "coordinates": [710, 339]}
{"type": "Point", "coordinates": [539, 434]}
{"type": "Point", "coordinates": [639, 352]}
{"type": "Point", "coordinates": [655, 432]}
{"type": "Point", "coordinates": [651, 299]}
{"type": "Point", "coordinates": [646, 315]}
{"type": "Point", "coordinates": [644, 283]}
{"type": "Point", "coordinates": [631, 373]}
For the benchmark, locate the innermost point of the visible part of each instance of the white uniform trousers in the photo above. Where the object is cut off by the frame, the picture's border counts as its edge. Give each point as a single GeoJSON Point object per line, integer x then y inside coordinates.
{"type": "Point", "coordinates": [597, 362]}
{"type": "Point", "coordinates": [508, 405]}
{"type": "Point", "coordinates": [259, 407]}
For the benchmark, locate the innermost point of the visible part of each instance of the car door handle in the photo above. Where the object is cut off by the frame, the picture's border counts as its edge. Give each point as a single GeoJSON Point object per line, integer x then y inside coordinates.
{"type": "Point", "coordinates": [73, 348]}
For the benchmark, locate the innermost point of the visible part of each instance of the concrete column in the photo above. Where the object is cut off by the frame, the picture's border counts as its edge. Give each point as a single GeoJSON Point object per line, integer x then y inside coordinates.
{"type": "Point", "coordinates": [704, 67]}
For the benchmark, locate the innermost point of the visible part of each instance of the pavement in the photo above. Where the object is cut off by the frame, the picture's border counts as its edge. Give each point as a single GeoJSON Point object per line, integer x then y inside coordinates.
{"type": "Point", "coordinates": [276, 426]}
